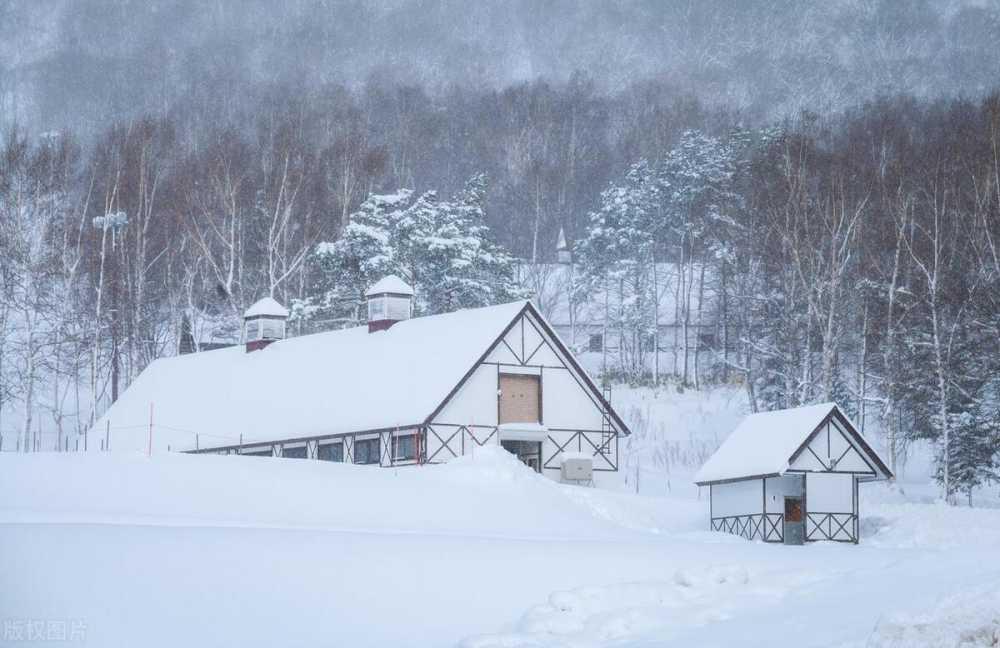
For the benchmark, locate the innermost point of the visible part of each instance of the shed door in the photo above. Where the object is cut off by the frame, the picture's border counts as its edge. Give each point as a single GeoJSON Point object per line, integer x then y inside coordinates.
{"type": "Point", "coordinates": [520, 399]}
{"type": "Point", "coordinates": [794, 524]}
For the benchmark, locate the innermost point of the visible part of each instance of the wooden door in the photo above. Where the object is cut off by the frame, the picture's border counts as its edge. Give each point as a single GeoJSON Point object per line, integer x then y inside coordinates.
{"type": "Point", "coordinates": [520, 399]}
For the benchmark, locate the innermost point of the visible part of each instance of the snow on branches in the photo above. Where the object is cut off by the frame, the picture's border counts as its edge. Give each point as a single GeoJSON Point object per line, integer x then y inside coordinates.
{"type": "Point", "coordinates": [442, 247]}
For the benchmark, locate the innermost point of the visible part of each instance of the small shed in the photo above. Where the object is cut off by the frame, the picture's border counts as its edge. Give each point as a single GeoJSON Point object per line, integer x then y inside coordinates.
{"type": "Point", "coordinates": [791, 476]}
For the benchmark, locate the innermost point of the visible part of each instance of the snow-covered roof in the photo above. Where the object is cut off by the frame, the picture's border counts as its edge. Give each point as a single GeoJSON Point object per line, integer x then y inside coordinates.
{"type": "Point", "coordinates": [266, 307]}
{"type": "Point", "coordinates": [391, 284]}
{"type": "Point", "coordinates": [523, 432]}
{"type": "Point", "coordinates": [326, 383]}
{"type": "Point", "coordinates": [763, 443]}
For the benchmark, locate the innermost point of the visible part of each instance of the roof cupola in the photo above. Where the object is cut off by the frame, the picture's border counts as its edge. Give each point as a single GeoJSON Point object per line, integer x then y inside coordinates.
{"type": "Point", "coordinates": [390, 300]}
{"type": "Point", "coordinates": [263, 323]}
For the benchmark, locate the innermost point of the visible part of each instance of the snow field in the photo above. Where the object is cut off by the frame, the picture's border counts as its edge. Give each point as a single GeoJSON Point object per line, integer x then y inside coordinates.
{"type": "Point", "coordinates": [597, 616]}
{"type": "Point", "coordinates": [968, 620]}
{"type": "Point", "coordinates": [481, 553]}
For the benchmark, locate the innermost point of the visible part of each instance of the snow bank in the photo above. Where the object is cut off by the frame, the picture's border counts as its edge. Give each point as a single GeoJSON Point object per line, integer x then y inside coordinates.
{"type": "Point", "coordinates": [179, 550]}
{"type": "Point", "coordinates": [888, 520]}
{"type": "Point", "coordinates": [967, 620]}
{"type": "Point", "coordinates": [481, 494]}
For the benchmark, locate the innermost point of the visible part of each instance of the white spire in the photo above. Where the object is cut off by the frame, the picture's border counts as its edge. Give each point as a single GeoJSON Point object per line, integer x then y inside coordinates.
{"type": "Point", "coordinates": [561, 242]}
{"type": "Point", "coordinates": [563, 253]}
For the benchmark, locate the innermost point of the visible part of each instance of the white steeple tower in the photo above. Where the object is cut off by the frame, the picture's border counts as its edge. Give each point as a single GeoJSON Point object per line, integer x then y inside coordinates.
{"type": "Point", "coordinates": [563, 253]}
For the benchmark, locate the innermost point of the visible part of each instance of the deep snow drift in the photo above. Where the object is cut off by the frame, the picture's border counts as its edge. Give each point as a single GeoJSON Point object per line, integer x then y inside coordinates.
{"type": "Point", "coordinates": [208, 550]}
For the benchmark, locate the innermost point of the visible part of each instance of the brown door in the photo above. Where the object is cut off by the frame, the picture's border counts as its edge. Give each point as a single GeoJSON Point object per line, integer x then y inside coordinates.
{"type": "Point", "coordinates": [520, 399]}
{"type": "Point", "coordinates": [793, 509]}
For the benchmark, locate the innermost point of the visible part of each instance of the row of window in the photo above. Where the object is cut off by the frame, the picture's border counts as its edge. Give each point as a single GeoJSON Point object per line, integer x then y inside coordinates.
{"type": "Point", "coordinates": [595, 343]}
{"type": "Point", "coordinates": [366, 451]}
{"type": "Point", "coordinates": [388, 307]}
{"type": "Point", "coordinates": [265, 329]}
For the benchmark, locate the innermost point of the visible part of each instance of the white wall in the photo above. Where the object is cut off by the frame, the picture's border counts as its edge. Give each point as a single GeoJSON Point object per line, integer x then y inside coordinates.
{"type": "Point", "coordinates": [737, 498]}
{"type": "Point", "coordinates": [476, 402]}
{"type": "Point", "coordinates": [780, 487]}
{"type": "Point", "coordinates": [565, 404]}
{"type": "Point", "coordinates": [829, 493]}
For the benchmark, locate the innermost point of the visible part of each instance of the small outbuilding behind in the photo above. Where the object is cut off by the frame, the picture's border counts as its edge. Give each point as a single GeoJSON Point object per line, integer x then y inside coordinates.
{"type": "Point", "coordinates": [791, 476]}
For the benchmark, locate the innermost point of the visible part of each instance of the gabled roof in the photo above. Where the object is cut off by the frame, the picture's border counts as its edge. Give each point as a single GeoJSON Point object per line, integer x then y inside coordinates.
{"type": "Point", "coordinates": [764, 444]}
{"type": "Point", "coordinates": [327, 383]}
{"type": "Point", "coordinates": [390, 284]}
{"type": "Point", "coordinates": [266, 307]}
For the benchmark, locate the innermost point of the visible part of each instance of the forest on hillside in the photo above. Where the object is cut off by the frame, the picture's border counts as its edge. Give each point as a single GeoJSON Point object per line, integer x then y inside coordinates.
{"type": "Point", "coordinates": [845, 208]}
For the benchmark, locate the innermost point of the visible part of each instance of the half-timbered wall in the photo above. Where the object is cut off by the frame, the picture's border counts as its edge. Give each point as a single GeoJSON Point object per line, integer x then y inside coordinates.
{"type": "Point", "coordinates": [574, 418]}
{"type": "Point", "coordinates": [831, 507]}
{"type": "Point", "coordinates": [831, 449]}
{"type": "Point", "coordinates": [738, 508]}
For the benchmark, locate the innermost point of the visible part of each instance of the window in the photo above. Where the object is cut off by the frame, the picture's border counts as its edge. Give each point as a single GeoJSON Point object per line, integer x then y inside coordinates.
{"type": "Point", "coordinates": [398, 308]}
{"type": "Point", "coordinates": [376, 309]}
{"type": "Point", "coordinates": [596, 343]}
{"type": "Point", "coordinates": [330, 452]}
{"type": "Point", "coordinates": [253, 330]}
{"type": "Point", "coordinates": [404, 447]}
{"type": "Point", "coordinates": [366, 451]}
{"type": "Point", "coordinates": [648, 342]}
{"type": "Point", "coordinates": [272, 329]}
{"type": "Point", "coordinates": [294, 453]}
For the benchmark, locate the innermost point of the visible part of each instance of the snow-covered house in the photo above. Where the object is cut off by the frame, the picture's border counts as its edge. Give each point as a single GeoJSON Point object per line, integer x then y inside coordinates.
{"type": "Point", "coordinates": [791, 476]}
{"type": "Point", "coordinates": [399, 391]}
{"type": "Point", "coordinates": [685, 306]}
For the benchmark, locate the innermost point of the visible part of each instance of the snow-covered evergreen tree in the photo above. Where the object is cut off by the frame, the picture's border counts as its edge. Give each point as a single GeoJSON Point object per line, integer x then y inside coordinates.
{"type": "Point", "coordinates": [348, 266]}
{"type": "Point", "coordinates": [617, 257]}
{"type": "Point", "coordinates": [442, 247]}
{"type": "Point", "coordinates": [973, 449]}
{"type": "Point", "coordinates": [461, 265]}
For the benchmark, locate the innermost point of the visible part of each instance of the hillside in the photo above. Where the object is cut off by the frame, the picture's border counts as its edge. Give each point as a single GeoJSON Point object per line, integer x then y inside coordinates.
{"type": "Point", "coordinates": [205, 550]}
{"type": "Point", "coordinates": [78, 63]}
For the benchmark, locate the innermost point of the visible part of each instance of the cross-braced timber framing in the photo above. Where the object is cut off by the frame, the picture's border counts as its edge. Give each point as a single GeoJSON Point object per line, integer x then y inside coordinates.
{"type": "Point", "coordinates": [837, 527]}
{"type": "Point", "coordinates": [746, 526]}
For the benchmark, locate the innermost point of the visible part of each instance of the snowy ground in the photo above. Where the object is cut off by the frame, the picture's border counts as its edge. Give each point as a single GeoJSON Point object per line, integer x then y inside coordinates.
{"type": "Point", "coordinates": [221, 551]}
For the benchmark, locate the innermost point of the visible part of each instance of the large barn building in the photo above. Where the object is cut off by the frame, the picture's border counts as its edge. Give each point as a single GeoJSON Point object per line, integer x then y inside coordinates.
{"type": "Point", "coordinates": [791, 476]}
{"type": "Point", "coordinates": [401, 390]}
